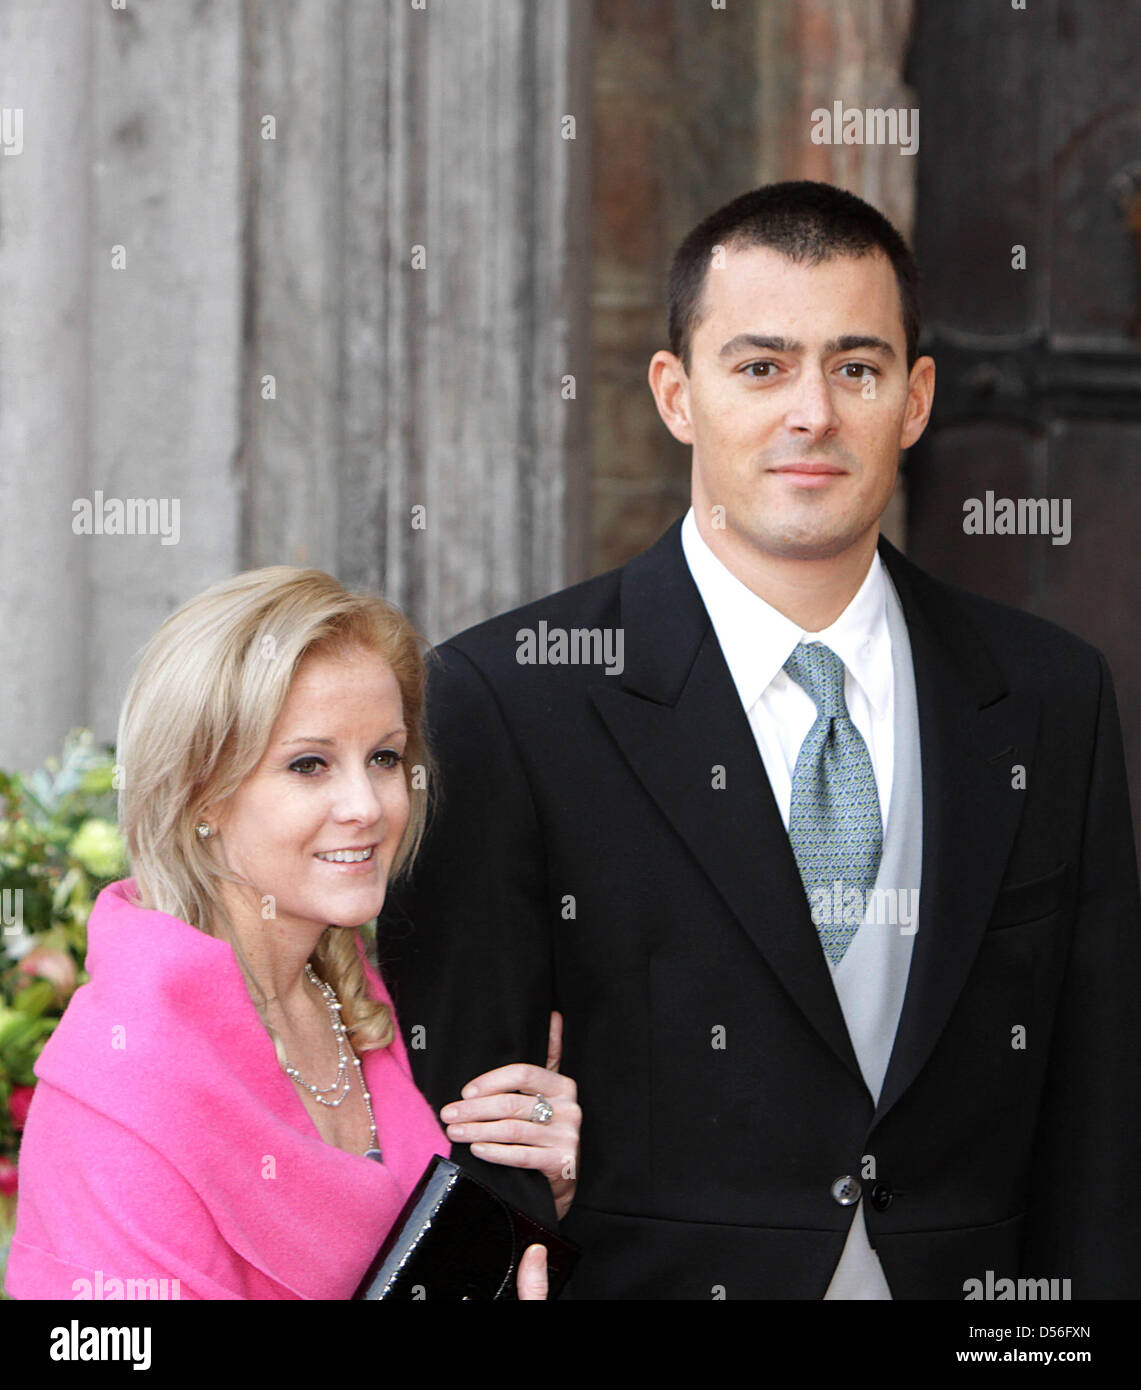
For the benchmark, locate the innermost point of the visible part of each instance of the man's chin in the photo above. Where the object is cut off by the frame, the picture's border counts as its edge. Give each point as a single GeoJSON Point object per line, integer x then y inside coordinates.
{"type": "Point", "coordinates": [815, 549]}
{"type": "Point", "coordinates": [802, 543]}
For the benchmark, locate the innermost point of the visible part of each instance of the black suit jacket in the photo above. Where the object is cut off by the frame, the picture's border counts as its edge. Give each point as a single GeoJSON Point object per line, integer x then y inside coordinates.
{"type": "Point", "coordinates": [583, 857]}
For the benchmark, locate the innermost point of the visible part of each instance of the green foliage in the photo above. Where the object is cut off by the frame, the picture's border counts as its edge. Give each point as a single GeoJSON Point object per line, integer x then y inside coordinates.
{"type": "Point", "coordinates": [59, 846]}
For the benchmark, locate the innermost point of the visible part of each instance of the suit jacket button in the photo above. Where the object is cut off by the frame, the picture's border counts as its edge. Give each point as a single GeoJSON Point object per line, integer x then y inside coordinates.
{"type": "Point", "coordinates": [882, 1196]}
{"type": "Point", "coordinates": [845, 1190]}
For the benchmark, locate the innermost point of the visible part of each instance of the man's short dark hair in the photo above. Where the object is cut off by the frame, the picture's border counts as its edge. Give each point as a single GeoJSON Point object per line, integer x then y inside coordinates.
{"type": "Point", "coordinates": [807, 222]}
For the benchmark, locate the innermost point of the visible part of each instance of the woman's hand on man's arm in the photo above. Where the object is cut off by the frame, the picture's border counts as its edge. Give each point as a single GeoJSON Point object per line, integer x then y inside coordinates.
{"type": "Point", "coordinates": [500, 1116]}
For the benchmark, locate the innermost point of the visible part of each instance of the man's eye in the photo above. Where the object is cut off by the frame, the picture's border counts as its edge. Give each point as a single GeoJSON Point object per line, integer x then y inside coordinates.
{"type": "Point", "coordinates": [749, 366]}
{"type": "Point", "coordinates": [304, 765]}
{"type": "Point", "coordinates": [861, 369]}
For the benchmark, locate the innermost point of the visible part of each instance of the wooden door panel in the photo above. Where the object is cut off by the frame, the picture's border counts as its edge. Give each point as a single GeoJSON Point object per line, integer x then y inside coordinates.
{"type": "Point", "coordinates": [1031, 138]}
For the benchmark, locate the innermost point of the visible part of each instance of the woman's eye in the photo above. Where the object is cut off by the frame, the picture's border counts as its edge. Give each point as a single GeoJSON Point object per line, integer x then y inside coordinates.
{"type": "Point", "coordinates": [307, 766]}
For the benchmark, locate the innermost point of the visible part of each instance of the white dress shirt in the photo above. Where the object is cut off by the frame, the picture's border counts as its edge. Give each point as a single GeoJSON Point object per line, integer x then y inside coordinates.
{"type": "Point", "coordinates": [757, 640]}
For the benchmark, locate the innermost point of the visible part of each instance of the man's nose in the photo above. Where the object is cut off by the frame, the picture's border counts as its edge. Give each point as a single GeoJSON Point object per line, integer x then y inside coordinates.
{"type": "Point", "coordinates": [812, 410]}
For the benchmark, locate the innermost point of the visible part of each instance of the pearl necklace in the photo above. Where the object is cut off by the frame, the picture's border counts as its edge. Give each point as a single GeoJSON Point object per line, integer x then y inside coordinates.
{"type": "Point", "coordinates": [345, 1052]}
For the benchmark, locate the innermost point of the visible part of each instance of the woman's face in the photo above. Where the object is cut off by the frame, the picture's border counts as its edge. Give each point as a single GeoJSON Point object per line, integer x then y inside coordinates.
{"type": "Point", "coordinates": [332, 781]}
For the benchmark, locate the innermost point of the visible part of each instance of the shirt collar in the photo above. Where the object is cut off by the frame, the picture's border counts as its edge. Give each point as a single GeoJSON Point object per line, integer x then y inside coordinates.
{"type": "Point", "coordinates": [757, 640]}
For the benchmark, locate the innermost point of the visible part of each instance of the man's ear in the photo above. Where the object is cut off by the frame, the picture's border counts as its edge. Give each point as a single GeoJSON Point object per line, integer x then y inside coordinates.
{"type": "Point", "coordinates": [920, 396]}
{"type": "Point", "coordinates": [670, 385]}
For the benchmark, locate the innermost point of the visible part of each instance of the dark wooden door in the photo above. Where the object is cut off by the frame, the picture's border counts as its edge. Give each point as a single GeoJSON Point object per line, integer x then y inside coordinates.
{"type": "Point", "coordinates": [1030, 136]}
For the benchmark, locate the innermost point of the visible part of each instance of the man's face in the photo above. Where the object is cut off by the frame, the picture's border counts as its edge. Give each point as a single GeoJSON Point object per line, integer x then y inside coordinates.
{"type": "Point", "coordinates": [789, 438]}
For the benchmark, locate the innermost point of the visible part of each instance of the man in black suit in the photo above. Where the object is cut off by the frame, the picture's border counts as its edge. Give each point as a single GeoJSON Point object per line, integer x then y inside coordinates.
{"type": "Point", "coordinates": [827, 865]}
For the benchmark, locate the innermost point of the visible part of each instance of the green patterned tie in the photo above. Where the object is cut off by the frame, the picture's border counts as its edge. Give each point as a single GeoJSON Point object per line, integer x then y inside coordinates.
{"type": "Point", "coordinates": [834, 818]}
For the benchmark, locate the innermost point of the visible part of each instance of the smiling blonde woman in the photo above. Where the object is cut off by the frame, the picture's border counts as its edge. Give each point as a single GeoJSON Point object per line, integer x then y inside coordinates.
{"type": "Point", "coordinates": [228, 1104]}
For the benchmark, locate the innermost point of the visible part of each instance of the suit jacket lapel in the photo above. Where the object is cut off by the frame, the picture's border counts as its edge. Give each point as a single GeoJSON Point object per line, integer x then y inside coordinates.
{"type": "Point", "coordinates": [972, 732]}
{"type": "Point", "coordinates": [677, 718]}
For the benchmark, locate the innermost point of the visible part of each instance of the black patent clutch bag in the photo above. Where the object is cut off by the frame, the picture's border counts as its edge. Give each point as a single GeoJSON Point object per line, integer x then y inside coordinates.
{"type": "Point", "coordinates": [456, 1239]}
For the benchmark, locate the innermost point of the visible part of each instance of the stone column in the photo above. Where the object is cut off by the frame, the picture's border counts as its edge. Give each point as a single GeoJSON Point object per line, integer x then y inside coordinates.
{"type": "Point", "coordinates": [314, 273]}
{"type": "Point", "coordinates": [166, 327]}
{"type": "Point", "coordinates": [44, 388]}
{"type": "Point", "coordinates": [419, 234]}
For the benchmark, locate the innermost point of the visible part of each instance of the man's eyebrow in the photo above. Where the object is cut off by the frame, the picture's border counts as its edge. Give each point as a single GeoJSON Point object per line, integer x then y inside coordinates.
{"type": "Point", "coordinates": [853, 342]}
{"type": "Point", "coordinates": [759, 340]}
{"type": "Point", "coordinates": [850, 342]}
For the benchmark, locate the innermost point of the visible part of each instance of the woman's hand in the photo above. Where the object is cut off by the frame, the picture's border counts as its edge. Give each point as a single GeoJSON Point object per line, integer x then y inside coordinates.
{"type": "Point", "coordinates": [495, 1118]}
{"type": "Point", "coordinates": [531, 1277]}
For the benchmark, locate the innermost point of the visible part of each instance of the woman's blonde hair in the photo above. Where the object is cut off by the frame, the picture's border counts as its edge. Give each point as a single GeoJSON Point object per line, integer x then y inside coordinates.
{"type": "Point", "coordinates": [196, 722]}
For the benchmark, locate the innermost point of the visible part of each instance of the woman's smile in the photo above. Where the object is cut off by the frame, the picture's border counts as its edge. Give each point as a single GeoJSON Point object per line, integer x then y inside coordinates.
{"type": "Point", "coordinates": [357, 861]}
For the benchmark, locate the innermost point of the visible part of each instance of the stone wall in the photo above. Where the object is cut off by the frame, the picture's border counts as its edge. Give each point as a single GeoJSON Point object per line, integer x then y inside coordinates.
{"type": "Point", "coordinates": [312, 272]}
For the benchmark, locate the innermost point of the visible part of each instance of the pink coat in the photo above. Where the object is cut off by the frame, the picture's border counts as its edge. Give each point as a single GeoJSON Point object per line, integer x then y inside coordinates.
{"type": "Point", "coordinates": [165, 1142]}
